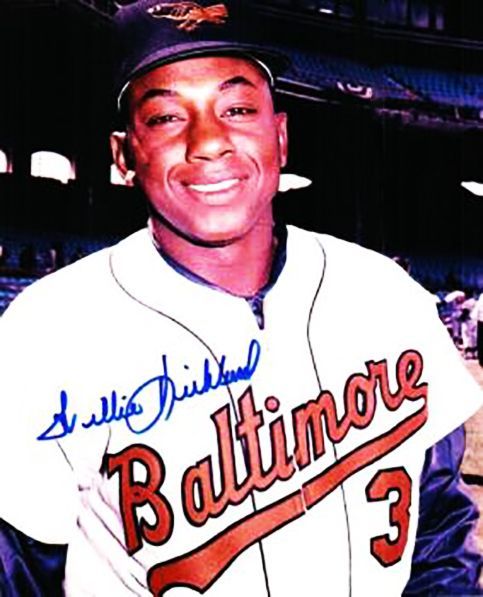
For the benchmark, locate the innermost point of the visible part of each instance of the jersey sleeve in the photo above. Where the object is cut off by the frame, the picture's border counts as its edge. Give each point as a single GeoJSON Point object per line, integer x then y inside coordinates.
{"type": "Point", "coordinates": [445, 558]}
{"type": "Point", "coordinates": [39, 492]}
{"type": "Point", "coordinates": [388, 314]}
{"type": "Point", "coordinates": [28, 567]}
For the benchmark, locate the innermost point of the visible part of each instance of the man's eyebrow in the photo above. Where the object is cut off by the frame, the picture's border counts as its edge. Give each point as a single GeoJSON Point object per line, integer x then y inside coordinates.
{"type": "Point", "coordinates": [234, 81]}
{"type": "Point", "coordinates": [162, 92]}
{"type": "Point", "coordinates": [156, 92]}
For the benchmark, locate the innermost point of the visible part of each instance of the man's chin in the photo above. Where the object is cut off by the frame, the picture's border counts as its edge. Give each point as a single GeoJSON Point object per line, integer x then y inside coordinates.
{"type": "Point", "coordinates": [211, 238]}
{"type": "Point", "coordinates": [213, 243]}
{"type": "Point", "coordinates": [201, 238]}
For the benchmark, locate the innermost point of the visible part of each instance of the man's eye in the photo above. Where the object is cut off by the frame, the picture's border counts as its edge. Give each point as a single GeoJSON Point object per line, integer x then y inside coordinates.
{"type": "Point", "coordinates": [239, 111]}
{"type": "Point", "coordinates": [162, 119]}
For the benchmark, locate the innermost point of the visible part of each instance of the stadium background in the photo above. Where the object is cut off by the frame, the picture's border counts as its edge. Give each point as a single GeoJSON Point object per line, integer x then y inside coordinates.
{"type": "Point", "coordinates": [385, 99]}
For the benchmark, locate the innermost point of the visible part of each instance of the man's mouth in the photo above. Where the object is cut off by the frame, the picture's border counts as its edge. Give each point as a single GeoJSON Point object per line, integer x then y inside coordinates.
{"type": "Point", "coordinates": [214, 187]}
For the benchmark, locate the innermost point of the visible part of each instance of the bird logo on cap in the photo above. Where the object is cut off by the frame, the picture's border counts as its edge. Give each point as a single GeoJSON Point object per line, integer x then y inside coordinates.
{"type": "Point", "coordinates": [190, 14]}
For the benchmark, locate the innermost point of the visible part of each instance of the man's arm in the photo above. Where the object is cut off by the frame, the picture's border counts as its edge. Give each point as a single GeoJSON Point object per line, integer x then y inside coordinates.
{"type": "Point", "coordinates": [28, 567]}
{"type": "Point", "coordinates": [445, 560]}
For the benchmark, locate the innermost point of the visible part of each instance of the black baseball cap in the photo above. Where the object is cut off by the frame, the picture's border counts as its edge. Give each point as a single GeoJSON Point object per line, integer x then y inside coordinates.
{"type": "Point", "coordinates": [152, 33]}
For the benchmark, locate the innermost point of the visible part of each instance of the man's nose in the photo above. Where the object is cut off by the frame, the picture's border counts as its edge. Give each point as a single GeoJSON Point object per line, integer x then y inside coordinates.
{"type": "Point", "coordinates": [208, 139]}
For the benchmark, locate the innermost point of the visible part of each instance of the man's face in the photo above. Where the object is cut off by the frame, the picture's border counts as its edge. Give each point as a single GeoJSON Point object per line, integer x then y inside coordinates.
{"type": "Point", "coordinates": [207, 146]}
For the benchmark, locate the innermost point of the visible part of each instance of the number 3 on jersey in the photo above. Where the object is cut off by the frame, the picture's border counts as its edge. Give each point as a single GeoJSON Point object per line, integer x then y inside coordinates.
{"type": "Point", "coordinates": [389, 551]}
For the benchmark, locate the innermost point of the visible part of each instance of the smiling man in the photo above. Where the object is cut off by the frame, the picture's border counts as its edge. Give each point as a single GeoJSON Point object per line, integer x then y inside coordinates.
{"type": "Point", "coordinates": [208, 148]}
{"type": "Point", "coordinates": [206, 429]}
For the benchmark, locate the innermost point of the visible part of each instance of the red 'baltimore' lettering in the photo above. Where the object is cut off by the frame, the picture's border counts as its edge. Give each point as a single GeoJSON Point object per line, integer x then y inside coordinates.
{"type": "Point", "coordinates": [360, 405]}
{"type": "Point", "coordinates": [198, 479]}
{"type": "Point", "coordinates": [312, 423]}
{"type": "Point", "coordinates": [309, 419]}
{"type": "Point", "coordinates": [133, 494]}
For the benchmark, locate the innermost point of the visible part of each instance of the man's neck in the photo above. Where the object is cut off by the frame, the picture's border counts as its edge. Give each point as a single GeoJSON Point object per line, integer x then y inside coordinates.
{"type": "Point", "coordinates": [241, 267]}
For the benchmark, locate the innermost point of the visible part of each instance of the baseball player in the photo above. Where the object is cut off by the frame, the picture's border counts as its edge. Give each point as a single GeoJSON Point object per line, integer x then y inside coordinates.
{"type": "Point", "coordinates": [180, 411]}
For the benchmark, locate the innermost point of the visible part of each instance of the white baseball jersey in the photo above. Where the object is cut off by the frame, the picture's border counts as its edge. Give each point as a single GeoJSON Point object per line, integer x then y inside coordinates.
{"type": "Point", "coordinates": [180, 449]}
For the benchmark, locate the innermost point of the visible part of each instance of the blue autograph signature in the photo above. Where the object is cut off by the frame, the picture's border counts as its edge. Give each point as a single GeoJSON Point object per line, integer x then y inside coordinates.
{"type": "Point", "coordinates": [167, 393]}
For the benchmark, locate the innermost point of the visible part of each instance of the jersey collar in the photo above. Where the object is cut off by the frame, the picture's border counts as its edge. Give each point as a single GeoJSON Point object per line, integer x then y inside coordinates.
{"type": "Point", "coordinates": [256, 300]}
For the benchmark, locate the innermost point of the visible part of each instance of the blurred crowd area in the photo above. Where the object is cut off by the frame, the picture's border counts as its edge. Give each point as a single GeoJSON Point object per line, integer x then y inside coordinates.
{"type": "Point", "coordinates": [460, 308]}
{"type": "Point", "coordinates": [460, 311]}
{"type": "Point", "coordinates": [24, 259]}
{"type": "Point", "coordinates": [35, 257]}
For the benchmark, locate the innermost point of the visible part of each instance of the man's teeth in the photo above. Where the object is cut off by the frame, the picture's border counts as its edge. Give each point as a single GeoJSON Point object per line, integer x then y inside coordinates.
{"type": "Point", "coordinates": [223, 185]}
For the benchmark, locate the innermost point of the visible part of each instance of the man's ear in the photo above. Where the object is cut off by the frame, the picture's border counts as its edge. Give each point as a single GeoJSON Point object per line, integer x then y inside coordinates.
{"type": "Point", "coordinates": [122, 156]}
{"type": "Point", "coordinates": [281, 119]}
